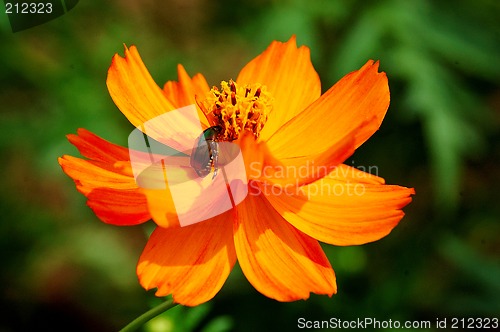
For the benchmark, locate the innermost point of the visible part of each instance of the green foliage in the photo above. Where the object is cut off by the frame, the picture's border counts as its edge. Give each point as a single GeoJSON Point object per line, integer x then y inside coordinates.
{"type": "Point", "coordinates": [184, 319]}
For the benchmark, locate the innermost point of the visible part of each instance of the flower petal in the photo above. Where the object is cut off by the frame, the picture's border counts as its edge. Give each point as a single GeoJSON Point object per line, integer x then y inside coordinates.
{"type": "Point", "coordinates": [133, 89]}
{"type": "Point", "coordinates": [90, 174]}
{"type": "Point", "coordinates": [162, 208]}
{"type": "Point", "coordinates": [96, 148]}
{"type": "Point", "coordinates": [113, 196]}
{"type": "Point", "coordinates": [347, 207]}
{"type": "Point", "coordinates": [298, 170]}
{"type": "Point", "coordinates": [119, 207]}
{"type": "Point", "coordinates": [358, 102]}
{"type": "Point", "coordinates": [179, 197]}
{"type": "Point", "coordinates": [290, 77]}
{"type": "Point", "coordinates": [139, 98]}
{"type": "Point", "coordinates": [301, 170]}
{"type": "Point", "coordinates": [184, 92]}
{"type": "Point", "coordinates": [106, 180]}
{"type": "Point", "coordinates": [191, 263]}
{"type": "Point", "coordinates": [280, 261]}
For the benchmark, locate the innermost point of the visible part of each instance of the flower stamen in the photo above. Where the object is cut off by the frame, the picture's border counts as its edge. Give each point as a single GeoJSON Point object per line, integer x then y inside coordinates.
{"type": "Point", "coordinates": [238, 108]}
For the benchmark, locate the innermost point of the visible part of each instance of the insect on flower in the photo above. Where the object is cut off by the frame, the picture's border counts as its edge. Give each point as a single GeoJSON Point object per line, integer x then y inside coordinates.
{"type": "Point", "coordinates": [205, 154]}
{"type": "Point", "coordinates": [293, 140]}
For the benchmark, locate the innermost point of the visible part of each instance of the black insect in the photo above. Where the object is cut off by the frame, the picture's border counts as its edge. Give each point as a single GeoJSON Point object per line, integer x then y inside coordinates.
{"type": "Point", "coordinates": [205, 152]}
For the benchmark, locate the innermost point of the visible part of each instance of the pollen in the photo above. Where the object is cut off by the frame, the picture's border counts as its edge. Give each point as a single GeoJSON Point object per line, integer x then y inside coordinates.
{"type": "Point", "coordinates": [238, 108]}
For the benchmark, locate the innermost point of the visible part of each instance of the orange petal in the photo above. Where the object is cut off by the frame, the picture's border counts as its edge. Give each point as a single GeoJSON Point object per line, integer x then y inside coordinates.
{"type": "Point", "coordinates": [280, 261]}
{"type": "Point", "coordinates": [162, 207]}
{"type": "Point", "coordinates": [301, 170]}
{"type": "Point", "coordinates": [96, 148]}
{"type": "Point", "coordinates": [106, 180]}
{"type": "Point", "coordinates": [133, 89]}
{"type": "Point", "coordinates": [139, 98]}
{"type": "Point", "coordinates": [89, 174]}
{"type": "Point", "coordinates": [108, 173]}
{"type": "Point", "coordinates": [119, 207]}
{"type": "Point", "coordinates": [289, 75]}
{"type": "Point", "coordinates": [348, 207]}
{"type": "Point", "coordinates": [184, 92]}
{"type": "Point", "coordinates": [113, 196]}
{"type": "Point", "coordinates": [179, 197]}
{"type": "Point", "coordinates": [294, 169]}
{"type": "Point", "coordinates": [191, 263]}
{"type": "Point", "coordinates": [356, 104]}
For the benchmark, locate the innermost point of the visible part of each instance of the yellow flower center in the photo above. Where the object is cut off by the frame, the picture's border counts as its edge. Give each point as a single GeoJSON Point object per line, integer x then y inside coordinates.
{"type": "Point", "coordinates": [237, 108]}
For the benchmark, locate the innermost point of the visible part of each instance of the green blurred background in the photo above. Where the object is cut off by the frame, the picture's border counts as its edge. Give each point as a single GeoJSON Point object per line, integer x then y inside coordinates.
{"type": "Point", "coordinates": [62, 269]}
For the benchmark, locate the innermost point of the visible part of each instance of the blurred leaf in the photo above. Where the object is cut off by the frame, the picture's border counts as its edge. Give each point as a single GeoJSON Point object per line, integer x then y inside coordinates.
{"type": "Point", "coordinates": [481, 289]}
{"type": "Point", "coordinates": [193, 316]}
{"type": "Point", "coordinates": [485, 273]}
{"type": "Point", "coordinates": [187, 319]}
{"type": "Point", "coordinates": [219, 324]}
{"type": "Point", "coordinates": [416, 41]}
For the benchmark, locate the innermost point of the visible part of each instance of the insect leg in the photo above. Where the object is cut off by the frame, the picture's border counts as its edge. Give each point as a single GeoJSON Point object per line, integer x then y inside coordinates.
{"type": "Point", "coordinates": [215, 155]}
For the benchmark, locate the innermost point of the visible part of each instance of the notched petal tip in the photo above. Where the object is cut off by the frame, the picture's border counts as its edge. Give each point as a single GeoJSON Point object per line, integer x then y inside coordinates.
{"type": "Point", "coordinates": [60, 160]}
{"type": "Point", "coordinates": [374, 65]}
{"type": "Point", "coordinates": [126, 50]}
{"type": "Point", "coordinates": [135, 93]}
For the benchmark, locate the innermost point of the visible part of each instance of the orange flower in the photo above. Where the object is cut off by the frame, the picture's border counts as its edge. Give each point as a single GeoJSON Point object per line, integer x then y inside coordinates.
{"type": "Point", "coordinates": [293, 141]}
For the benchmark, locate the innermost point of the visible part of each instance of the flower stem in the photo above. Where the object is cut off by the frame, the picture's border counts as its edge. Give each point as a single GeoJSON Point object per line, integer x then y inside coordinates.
{"type": "Point", "coordinates": [145, 317]}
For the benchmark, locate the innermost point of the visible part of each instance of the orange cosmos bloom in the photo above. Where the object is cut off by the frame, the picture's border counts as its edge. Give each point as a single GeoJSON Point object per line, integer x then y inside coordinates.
{"type": "Point", "coordinates": [276, 114]}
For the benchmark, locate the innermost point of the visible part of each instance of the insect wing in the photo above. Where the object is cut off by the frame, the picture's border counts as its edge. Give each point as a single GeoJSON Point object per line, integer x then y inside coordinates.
{"type": "Point", "coordinates": [205, 152]}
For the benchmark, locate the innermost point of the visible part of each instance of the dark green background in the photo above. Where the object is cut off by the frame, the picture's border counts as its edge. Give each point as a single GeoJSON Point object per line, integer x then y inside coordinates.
{"type": "Point", "coordinates": [64, 269]}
